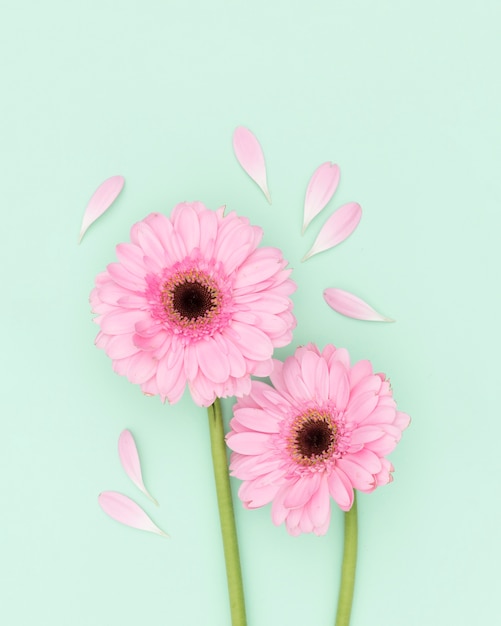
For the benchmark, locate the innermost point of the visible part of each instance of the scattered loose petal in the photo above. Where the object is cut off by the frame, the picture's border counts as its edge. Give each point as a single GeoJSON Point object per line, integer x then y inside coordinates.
{"type": "Point", "coordinates": [129, 457]}
{"type": "Point", "coordinates": [320, 190]}
{"type": "Point", "coordinates": [347, 304]}
{"type": "Point", "coordinates": [250, 156]}
{"type": "Point", "coordinates": [337, 228]}
{"type": "Point", "coordinates": [102, 199]}
{"type": "Point", "coordinates": [126, 511]}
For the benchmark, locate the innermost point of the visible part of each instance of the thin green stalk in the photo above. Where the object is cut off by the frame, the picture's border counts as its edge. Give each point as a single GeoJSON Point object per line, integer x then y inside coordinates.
{"type": "Point", "coordinates": [226, 515]}
{"type": "Point", "coordinates": [347, 586]}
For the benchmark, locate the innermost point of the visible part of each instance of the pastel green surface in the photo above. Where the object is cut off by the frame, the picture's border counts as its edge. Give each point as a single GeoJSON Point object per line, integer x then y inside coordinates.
{"type": "Point", "coordinates": [404, 96]}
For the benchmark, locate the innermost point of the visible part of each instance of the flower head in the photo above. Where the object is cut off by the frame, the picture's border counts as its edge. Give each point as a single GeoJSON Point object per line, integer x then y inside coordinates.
{"type": "Point", "coordinates": [321, 432]}
{"type": "Point", "coordinates": [194, 300]}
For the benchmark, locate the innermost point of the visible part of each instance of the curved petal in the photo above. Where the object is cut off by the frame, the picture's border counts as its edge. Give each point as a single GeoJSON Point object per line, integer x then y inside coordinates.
{"type": "Point", "coordinates": [248, 442]}
{"type": "Point", "coordinates": [129, 458]}
{"type": "Point", "coordinates": [253, 342]}
{"type": "Point", "coordinates": [250, 156]}
{"type": "Point", "coordinates": [350, 305]}
{"type": "Point", "coordinates": [187, 224]}
{"type": "Point", "coordinates": [341, 489]}
{"type": "Point", "coordinates": [256, 419]}
{"type": "Point", "coordinates": [319, 505]}
{"type": "Point", "coordinates": [302, 491]}
{"type": "Point", "coordinates": [122, 321]}
{"type": "Point", "coordinates": [101, 200]}
{"type": "Point", "coordinates": [320, 190]}
{"type": "Point", "coordinates": [126, 511]}
{"type": "Point", "coordinates": [360, 478]}
{"type": "Point", "coordinates": [254, 497]}
{"type": "Point", "coordinates": [141, 367]}
{"type": "Point", "coordinates": [170, 376]}
{"type": "Point", "coordinates": [336, 229]}
{"type": "Point", "coordinates": [213, 363]}
{"type": "Point", "coordinates": [339, 385]}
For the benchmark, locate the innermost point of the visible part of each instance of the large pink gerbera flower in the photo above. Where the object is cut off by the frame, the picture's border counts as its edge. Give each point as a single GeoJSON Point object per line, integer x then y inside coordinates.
{"type": "Point", "coordinates": [323, 431]}
{"type": "Point", "coordinates": [193, 300]}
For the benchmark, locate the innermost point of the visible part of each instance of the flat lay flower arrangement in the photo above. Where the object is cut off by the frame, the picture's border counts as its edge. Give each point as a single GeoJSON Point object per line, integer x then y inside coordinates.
{"type": "Point", "coordinates": [195, 302]}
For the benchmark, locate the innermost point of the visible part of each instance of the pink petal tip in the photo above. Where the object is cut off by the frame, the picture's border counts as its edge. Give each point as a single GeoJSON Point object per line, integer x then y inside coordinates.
{"type": "Point", "coordinates": [250, 156]}
{"type": "Point", "coordinates": [129, 457]}
{"type": "Point", "coordinates": [336, 229]}
{"type": "Point", "coordinates": [350, 305]}
{"type": "Point", "coordinates": [320, 190]}
{"type": "Point", "coordinates": [101, 200]}
{"type": "Point", "coordinates": [127, 512]}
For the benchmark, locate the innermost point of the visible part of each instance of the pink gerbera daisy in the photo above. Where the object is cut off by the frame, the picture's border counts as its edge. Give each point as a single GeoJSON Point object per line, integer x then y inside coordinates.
{"type": "Point", "coordinates": [323, 431]}
{"type": "Point", "coordinates": [193, 300]}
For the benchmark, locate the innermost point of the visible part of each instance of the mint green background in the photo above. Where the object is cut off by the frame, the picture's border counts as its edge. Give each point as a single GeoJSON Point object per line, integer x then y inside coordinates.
{"type": "Point", "coordinates": [405, 97]}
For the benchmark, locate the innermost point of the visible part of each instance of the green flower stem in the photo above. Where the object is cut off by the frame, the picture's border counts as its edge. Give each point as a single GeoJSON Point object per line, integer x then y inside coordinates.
{"type": "Point", "coordinates": [226, 515]}
{"type": "Point", "coordinates": [349, 566]}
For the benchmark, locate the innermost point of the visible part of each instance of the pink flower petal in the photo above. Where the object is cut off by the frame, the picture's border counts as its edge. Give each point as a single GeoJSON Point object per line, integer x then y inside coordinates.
{"type": "Point", "coordinates": [339, 385]}
{"type": "Point", "coordinates": [402, 420]}
{"type": "Point", "coordinates": [254, 497]}
{"type": "Point", "coordinates": [248, 442]}
{"type": "Point", "coordinates": [102, 199]}
{"type": "Point", "coordinates": [257, 420]}
{"type": "Point", "coordinates": [347, 304]}
{"type": "Point", "coordinates": [250, 156]}
{"type": "Point", "coordinates": [341, 489]}
{"type": "Point", "coordinates": [212, 362]}
{"type": "Point", "coordinates": [302, 490]}
{"type": "Point", "coordinates": [320, 190]}
{"type": "Point", "coordinates": [319, 505]}
{"type": "Point", "coordinates": [360, 478]}
{"type": "Point", "coordinates": [129, 457]}
{"type": "Point", "coordinates": [337, 228]}
{"type": "Point", "coordinates": [126, 511]}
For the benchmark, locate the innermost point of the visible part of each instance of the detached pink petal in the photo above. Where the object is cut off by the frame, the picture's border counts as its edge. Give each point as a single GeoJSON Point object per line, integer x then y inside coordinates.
{"type": "Point", "coordinates": [129, 457]}
{"type": "Point", "coordinates": [347, 304]}
{"type": "Point", "coordinates": [320, 190]}
{"type": "Point", "coordinates": [250, 156]}
{"type": "Point", "coordinates": [102, 199]}
{"type": "Point", "coordinates": [126, 511]}
{"type": "Point", "coordinates": [337, 228]}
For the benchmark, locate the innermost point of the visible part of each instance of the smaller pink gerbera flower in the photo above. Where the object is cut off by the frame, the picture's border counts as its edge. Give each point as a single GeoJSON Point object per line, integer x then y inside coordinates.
{"type": "Point", "coordinates": [323, 431]}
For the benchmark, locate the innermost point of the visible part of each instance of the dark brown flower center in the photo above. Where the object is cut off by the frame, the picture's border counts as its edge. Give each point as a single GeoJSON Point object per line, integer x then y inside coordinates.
{"type": "Point", "coordinates": [312, 438]}
{"type": "Point", "coordinates": [193, 300]}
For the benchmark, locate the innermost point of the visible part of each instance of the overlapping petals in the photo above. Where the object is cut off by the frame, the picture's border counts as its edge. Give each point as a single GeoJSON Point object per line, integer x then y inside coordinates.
{"type": "Point", "coordinates": [322, 430]}
{"type": "Point", "coordinates": [194, 301]}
